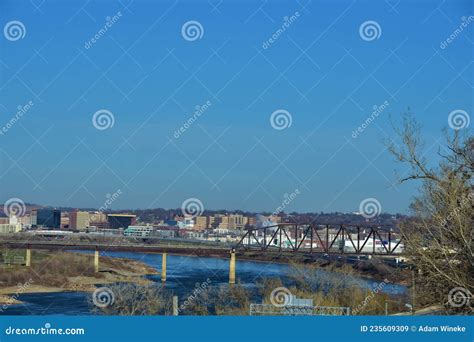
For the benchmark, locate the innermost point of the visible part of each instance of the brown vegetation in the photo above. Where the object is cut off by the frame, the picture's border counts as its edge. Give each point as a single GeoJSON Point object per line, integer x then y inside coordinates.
{"type": "Point", "coordinates": [130, 299]}
{"type": "Point", "coordinates": [440, 236]}
{"type": "Point", "coordinates": [70, 271]}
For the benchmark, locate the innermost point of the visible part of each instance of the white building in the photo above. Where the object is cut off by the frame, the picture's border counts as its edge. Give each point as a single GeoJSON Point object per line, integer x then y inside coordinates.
{"type": "Point", "coordinates": [187, 222]}
{"type": "Point", "coordinates": [13, 225]}
{"type": "Point", "coordinates": [10, 228]}
{"type": "Point", "coordinates": [138, 231]}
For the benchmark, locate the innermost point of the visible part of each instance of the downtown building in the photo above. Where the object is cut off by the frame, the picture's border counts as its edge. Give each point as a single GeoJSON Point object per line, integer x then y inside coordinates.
{"type": "Point", "coordinates": [79, 219]}
{"type": "Point", "coordinates": [116, 221]}
{"type": "Point", "coordinates": [10, 225]}
{"type": "Point", "coordinates": [48, 218]}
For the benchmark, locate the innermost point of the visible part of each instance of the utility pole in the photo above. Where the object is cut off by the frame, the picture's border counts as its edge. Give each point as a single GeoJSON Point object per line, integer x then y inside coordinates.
{"type": "Point", "coordinates": [175, 305]}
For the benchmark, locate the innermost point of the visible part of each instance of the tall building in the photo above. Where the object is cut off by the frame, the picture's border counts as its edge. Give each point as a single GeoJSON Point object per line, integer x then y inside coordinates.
{"type": "Point", "coordinates": [120, 220]}
{"type": "Point", "coordinates": [48, 218]}
{"type": "Point", "coordinates": [212, 222]}
{"type": "Point", "coordinates": [79, 219]}
{"type": "Point", "coordinates": [218, 221]}
{"type": "Point", "coordinates": [201, 222]}
{"type": "Point", "coordinates": [251, 221]}
{"type": "Point", "coordinates": [224, 222]}
{"type": "Point", "coordinates": [237, 221]}
{"type": "Point", "coordinates": [64, 220]}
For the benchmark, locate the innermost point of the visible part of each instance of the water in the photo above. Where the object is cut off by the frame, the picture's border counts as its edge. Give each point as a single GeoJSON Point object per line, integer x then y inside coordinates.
{"type": "Point", "coordinates": [183, 272]}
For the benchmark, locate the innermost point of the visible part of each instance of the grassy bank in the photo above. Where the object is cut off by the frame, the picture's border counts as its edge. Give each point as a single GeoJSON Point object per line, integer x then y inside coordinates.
{"type": "Point", "coordinates": [54, 271]}
{"type": "Point", "coordinates": [373, 269]}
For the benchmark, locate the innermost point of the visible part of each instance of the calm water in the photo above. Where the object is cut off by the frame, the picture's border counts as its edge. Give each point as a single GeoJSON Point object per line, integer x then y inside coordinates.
{"type": "Point", "coordinates": [183, 272]}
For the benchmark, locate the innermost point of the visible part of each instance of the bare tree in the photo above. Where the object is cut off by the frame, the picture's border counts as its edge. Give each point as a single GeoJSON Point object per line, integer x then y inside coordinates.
{"type": "Point", "coordinates": [439, 236]}
{"type": "Point", "coordinates": [129, 299]}
{"type": "Point", "coordinates": [233, 300]}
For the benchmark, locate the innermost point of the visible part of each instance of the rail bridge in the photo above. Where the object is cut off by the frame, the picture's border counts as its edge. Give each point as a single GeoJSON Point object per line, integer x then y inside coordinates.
{"type": "Point", "coordinates": [288, 238]}
{"type": "Point", "coordinates": [281, 239]}
{"type": "Point", "coordinates": [322, 238]}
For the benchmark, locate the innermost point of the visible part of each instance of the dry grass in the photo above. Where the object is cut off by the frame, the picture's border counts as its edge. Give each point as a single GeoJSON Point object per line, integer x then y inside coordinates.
{"type": "Point", "coordinates": [48, 269]}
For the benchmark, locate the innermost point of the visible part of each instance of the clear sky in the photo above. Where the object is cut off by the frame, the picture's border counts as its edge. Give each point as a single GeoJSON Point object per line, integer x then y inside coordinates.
{"type": "Point", "coordinates": [150, 73]}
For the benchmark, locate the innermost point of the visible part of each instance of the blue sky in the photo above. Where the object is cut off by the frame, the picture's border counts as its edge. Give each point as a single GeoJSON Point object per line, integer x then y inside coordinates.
{"type": "Point", "coordinates": [142, 70]}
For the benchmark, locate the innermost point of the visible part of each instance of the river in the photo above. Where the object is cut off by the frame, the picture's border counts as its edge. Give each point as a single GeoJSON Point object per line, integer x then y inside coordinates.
{"type": "Point", "coordinates": [183, 272]}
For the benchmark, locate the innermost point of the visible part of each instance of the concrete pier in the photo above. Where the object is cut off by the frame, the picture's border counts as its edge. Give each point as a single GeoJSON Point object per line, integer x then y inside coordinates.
{"type": "Point", "coordinates": [96, 261]}
{"type": "Point", "coordinates": [163, 267]}
{"type": "Point", "coordinates": [28, 258]}
{"type": "Point", "coordinates": [232, 268]}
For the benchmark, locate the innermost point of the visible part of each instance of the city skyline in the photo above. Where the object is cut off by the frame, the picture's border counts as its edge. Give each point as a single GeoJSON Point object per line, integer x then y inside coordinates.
{"type": "Point", "coordinates": [236, 104]}
{"type": "Point", "coordinates": [280, 164]}
{"type": "Point", "coordinates": [205, 210]}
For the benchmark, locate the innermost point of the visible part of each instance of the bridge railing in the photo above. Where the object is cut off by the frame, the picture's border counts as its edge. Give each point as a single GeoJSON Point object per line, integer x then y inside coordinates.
{"type": "Point", "coordinates": [297, 310]}
{"type": "Point", "coordinates": [314, 238]}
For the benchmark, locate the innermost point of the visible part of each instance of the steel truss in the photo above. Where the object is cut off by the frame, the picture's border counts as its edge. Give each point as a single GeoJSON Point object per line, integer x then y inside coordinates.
{"type": "Point", "coordinates": [325, 244]}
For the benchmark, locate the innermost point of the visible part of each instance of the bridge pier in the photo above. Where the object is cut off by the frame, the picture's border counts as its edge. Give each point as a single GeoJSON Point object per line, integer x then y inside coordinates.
{"type": "Point", "coordinates": [163, 268]}
{"type": "Point", "coordinates": [96, 261]}
{"type": "Point", "coordinates": [28, 257]}
{"type": "Point", "coordinates": [232, 268]}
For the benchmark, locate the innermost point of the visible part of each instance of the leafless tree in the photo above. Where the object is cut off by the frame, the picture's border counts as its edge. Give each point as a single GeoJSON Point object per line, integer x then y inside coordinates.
{"type": "Point", "coordinates": [439, 236]}
{"type": "Point", "coordinates": [132, 299]}
{"type": "Point", "coordinates": [233, 300]}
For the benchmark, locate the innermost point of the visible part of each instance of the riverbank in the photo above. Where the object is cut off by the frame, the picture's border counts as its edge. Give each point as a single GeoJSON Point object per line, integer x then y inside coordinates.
{"type": "Point", "coordinates": [374, 269]}
{"type": "Point", "coordinates": [65, 271]}
{"type": "Point", "coordinates": [377, 268]}
{"type": "Point", "coordinates": [188, 274]}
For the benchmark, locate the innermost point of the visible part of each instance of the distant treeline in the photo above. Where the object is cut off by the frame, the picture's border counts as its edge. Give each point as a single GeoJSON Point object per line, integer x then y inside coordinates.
{"type": "Point", "coordinates": [158, 214]}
